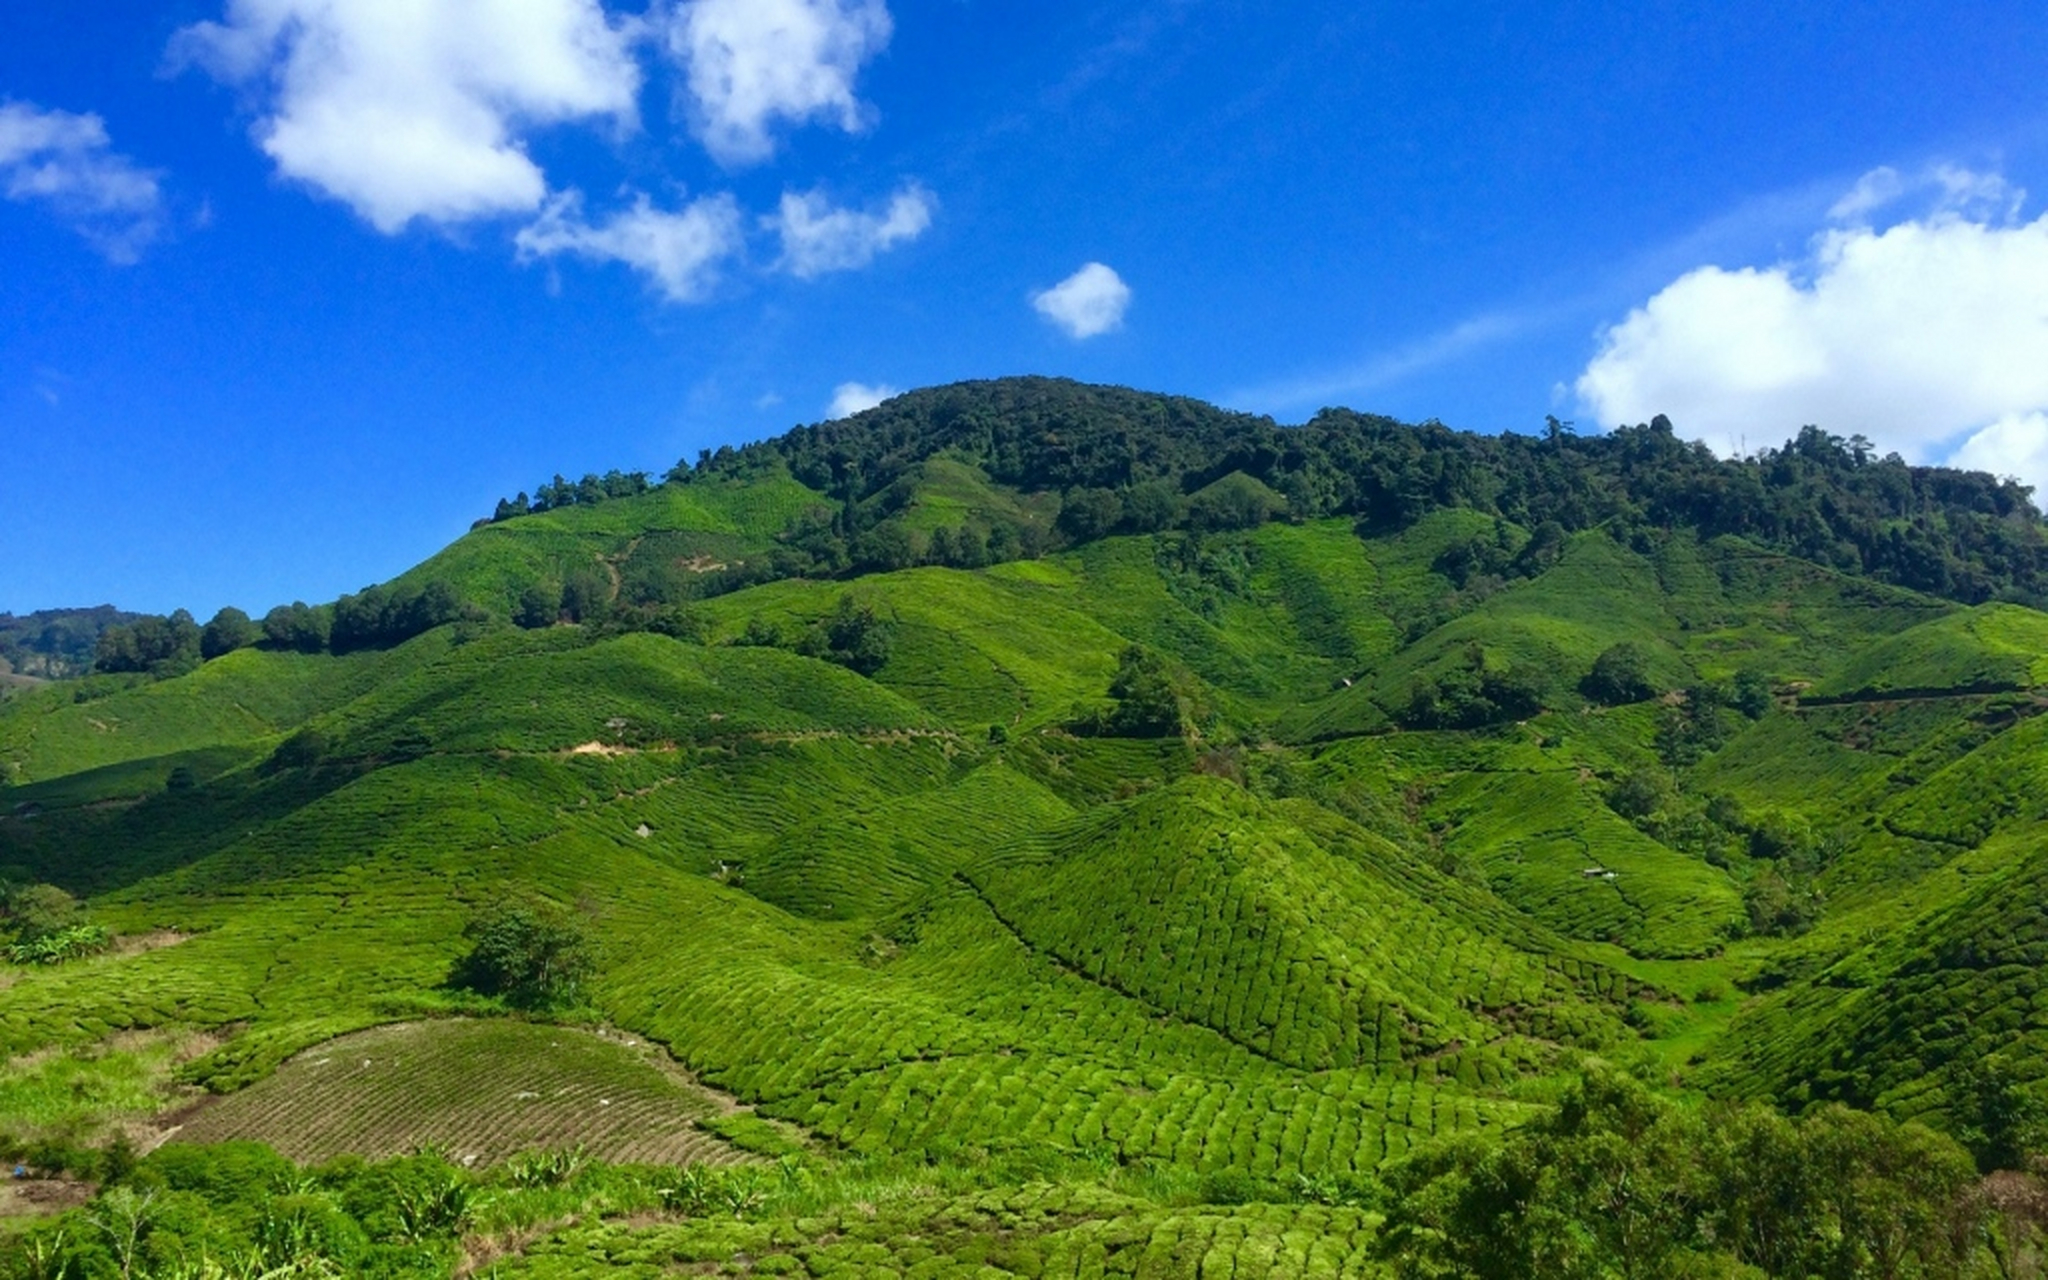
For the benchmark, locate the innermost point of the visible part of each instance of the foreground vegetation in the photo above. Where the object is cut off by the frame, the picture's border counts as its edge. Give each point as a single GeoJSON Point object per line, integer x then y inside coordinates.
{"type": "Point", "coordinates": [1216, 885]}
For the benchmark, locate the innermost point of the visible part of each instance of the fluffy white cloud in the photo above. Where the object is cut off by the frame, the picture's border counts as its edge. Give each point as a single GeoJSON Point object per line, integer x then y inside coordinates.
{"type": "Point", "coordinates": [818, 238]}
{"type": "Point", "coordinates": [2015, 445]}
{"type": "Point", "coordinates": [850, 398]}
{"type": "Point", "coordinates": [69, 163]}
{"type": "Point", "coordinates": [414, 109]}
{"type": "Point", "coordinates": [1091, 301]}
{"type": "Point", "coordinates": [680, 251]}
{"type": "Point", "coordinates": [1912, 334]}
{"type": "Point", "coordinates": [752, 63]}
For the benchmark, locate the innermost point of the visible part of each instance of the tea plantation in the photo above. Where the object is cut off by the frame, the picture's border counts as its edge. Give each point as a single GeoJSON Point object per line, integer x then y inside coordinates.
{"type": "Point", "coordinates": [1069, 894]}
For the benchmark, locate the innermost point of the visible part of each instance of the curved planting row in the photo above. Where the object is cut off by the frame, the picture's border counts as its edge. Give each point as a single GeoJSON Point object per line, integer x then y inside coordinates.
{"type": "Point", "coordinates": [480, 1091]}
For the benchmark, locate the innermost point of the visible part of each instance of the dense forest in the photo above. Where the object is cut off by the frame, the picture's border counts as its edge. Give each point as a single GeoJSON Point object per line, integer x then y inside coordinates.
{"type": "Point", "coordinates": [1128, 462]}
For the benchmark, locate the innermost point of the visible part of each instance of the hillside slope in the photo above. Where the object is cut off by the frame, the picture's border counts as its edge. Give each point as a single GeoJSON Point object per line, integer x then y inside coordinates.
{"type": "Point", "coordinates": [1269, 848]}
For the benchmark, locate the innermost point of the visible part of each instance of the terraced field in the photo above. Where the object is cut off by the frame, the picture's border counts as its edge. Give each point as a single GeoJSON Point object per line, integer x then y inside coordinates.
{"type": "Point", "coordinates": [479, 1091]}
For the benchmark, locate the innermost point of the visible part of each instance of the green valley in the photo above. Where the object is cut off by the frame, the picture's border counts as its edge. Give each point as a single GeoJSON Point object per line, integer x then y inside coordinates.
{"type": "Point", "coordinates": [1038, 829]}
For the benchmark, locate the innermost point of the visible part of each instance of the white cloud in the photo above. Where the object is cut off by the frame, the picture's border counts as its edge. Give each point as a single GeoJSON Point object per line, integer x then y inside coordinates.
{"type": "Point", "coordinates": [1091, 301]}
{"type": "Point", "coordinates": [818, 238]}
{"type": "Point", "coordinates": [415, 109]}
{"type": "Point", "coordinates": [1912, 334]}
{"type": "Point", "coordinates": [69, 163]}
{"type": "Point", "coordinates": [752, 63]}
{"type": "Point", "coordinates": [850, 398]}
{"type": "Point", "coordinates": [2015, 445]}
{"type": "Point", "coordinates": [680, 251]}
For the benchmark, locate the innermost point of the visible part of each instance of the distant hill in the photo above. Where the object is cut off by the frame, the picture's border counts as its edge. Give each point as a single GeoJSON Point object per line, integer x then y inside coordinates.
{"type": "Point", "coordinates": [56, 644]}
{"type": "Point", "coordinates": [1026, 785]}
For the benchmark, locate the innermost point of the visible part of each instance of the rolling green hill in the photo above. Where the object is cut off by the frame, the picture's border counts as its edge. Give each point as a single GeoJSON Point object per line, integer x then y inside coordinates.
{"type": "Point", "coordinates": [1144, 828]}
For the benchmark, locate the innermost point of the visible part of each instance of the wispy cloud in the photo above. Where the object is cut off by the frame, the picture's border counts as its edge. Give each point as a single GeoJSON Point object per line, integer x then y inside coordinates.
{"type": "Point", "coordinates": [819, 237]}
{"type": "Point", "coordinates": [1391, 367]}
{"type": "Point", "coordinates": [681, 251]}
{"type": "Point", "coordinates": [68, 164]}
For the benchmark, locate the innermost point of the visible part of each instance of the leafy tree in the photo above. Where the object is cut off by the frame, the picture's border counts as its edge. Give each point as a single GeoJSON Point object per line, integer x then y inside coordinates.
{"type": "Point", "coordinates": [540, 605]}
{"type": "Point", "coordinates": [1090, 513]}
{"type": "Point", "coordinates": [586, 596]}
{"type": "Point", "coordinates": [1617, 1183]}
{"type": "Point", "coordinates": [1638, 795]}
{"type": "Point", "coordinates": [855, 638]}
{"type": "Point", "coordinates": [1620, 675]}
{"type": "Point", "coordinates": [1780, 905]}
{"type": "Point", "coordinates": [531, 952]}
{"type": "Point", "coordinates": [225, 632]}
{"type": "Point", "coordinates": [1999, 1113]}
{"type": "Point", "coordinates": [1151, 702]}
{"type": "Point", "coordinates": [297, 626]}
{"type": "Point", "coordinates": [1153, 506]}
{"type": "Point", "coordinates": [1752, 694]}
{"type": "Point", "coordinates": [1475, 693]}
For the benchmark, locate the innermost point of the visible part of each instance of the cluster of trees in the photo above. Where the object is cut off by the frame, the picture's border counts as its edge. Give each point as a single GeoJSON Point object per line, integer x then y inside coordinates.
{"type": "Point", "coordinates": [161, 646]}
{"type": "Point", "coordinates": [853, 636]}
{"type": "Point", "coordinates": [591, 490]}
{"type": "Point", "coordinates": [1125, 461]}
{"type": "Point", "coordinates": [376, 617]}
{"type": "Point", "coordinates": [1148, 699]}
{"type": "Point", "coordinates": [1474, 692]}
{"type": "Point", "coordinates": [1618, 1183]}
{"type": "Point", "coordinates": [531, 953]}
{"type": "Point", "coordinates": [45, 925]}
{"type": "Point", "coordinates": [379, 617]}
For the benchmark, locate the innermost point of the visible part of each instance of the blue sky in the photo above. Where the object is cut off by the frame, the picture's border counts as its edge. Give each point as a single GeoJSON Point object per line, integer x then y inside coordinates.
{"type": "Point", "coordinates": [291, 290]}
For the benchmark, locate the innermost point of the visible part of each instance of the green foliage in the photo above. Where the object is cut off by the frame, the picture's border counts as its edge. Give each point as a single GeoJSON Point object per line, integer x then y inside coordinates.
{"type": "Point", "coordinates": [533, 954]}
{"type": "Point", "coordinates": [225, 632]}
{"type": "Point", "coordinates": [1620, 675]}
{"type": "Point", "coordinates": [298, 627]}
{"type": "Point", "coordinates": [379, 617]}
{"type": "Point", "coordinates": [1345, 864]}
{"type": "Point", "coordinates": [161, 647]}
{"type": "Point", "coordinates": [1476, 693]}
{"type": "Point", "coordinates": [1619, 1183]}
{"type": "Point", "coordinates": [72, 942]}
{"type": "Point", "coordinates": [1150, 701]}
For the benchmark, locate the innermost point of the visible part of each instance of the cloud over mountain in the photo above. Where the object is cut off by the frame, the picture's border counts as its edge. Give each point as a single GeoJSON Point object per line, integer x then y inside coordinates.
{"type": "Point", "coordinates": [1926, 335]}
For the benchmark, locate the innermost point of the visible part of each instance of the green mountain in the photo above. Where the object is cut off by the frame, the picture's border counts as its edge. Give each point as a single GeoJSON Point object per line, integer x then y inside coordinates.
{"type": "Point", "coordinates": [1073, 831]}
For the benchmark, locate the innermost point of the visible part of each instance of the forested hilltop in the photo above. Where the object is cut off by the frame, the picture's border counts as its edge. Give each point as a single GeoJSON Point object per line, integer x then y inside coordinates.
{"type": "Point", "coordinates": [983, 473]}
{"type": "Point", "coordinates": [1039, 830]}
{"type": "Point", "coordinates": [1123, 461]}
